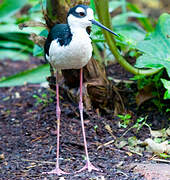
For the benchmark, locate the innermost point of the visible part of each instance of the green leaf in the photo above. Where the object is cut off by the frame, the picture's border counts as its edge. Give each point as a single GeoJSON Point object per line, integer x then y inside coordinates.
{"type": "Point", "coordinates": [13, 28]}
{"type": "Point", "coordinates": [156, 47]}
{"type": "Point", "coordinates": [44, 33]}
{"type": "Point", "coordinates": [131, 33]}
{"type": "Point", "coordinates": [36, 75]}
{"type": "Point", "coordinates": [38, 7]}
{"type": "Point", "coordinates": [13, 54]}
{"type": "Point", "coordinates": [17, 37]}
{"type": "Point", "coordinates": [166, 84]}
{"type": "Point", "coordinates": [9, 7]}
{"type": "Point", "coordinates": [164, 155]}
{"type": "Point", "coordinates": [38, 51]}
{"type": "Point", "coordinates": [15, 45]}
{"type": "Point", "coordinates": [122, 18]}
{"type": "Point", "coordinates": [96, 34]}
{"type": "Point", "coordinates": [113, 5]}
{"type": "Point", "coordinates": [144, 21]}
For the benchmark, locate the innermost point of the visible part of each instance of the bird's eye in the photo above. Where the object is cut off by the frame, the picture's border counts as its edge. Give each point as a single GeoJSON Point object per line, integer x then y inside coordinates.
{"type": "Point", "coordinates": [81, 14]}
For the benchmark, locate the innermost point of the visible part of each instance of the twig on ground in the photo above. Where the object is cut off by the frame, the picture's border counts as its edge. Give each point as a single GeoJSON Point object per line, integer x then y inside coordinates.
{"type": "Point", "coordinates": [161, 160]}
{"type": "Point", "coordinates": [43, 162]}
{"type": "Point", "coordinates": [106, 144]}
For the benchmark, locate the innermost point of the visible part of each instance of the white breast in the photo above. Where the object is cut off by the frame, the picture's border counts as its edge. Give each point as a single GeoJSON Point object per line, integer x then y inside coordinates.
{"type": "Point", "coordinates": [73, 56]}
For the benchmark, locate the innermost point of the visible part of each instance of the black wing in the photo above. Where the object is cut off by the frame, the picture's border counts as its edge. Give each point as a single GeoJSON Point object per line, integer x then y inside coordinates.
{"type": "Point", "coordinates": [61, 33]}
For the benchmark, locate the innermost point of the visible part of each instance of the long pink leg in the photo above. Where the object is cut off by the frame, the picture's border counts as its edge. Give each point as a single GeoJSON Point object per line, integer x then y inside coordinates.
{"type": "Point", "coordinates": [57, 170]}
{"type": "Point", "coordinates": [88, 165]}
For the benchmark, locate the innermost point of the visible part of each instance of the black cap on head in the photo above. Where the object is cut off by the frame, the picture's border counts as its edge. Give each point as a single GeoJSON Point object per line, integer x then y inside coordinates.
{"type": "Point", "coordinates": [78, 14]}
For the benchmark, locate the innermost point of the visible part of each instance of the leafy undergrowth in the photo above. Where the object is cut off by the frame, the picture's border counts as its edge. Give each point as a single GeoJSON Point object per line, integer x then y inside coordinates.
{"type": "Point", "coordinates": [28, 148]}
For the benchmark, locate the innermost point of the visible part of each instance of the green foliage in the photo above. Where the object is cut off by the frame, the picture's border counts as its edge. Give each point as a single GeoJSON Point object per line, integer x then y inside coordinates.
{"type": "Point", "coordinates": [113, 5]}
{"type": "Point", "coordinates": [145, 22]}
{"type": "Point", "coordinates": [122, 18]}
{"type": "Point", "coordinates": [15, 43]}
{"type": "Point", "coordinates": [159, 139]}
{"type": "Point", "coordinates": [140, 122]}
{"type": "Point", "coordinates": [151, 50]}
{"type": "Point", "coordinates": [156, 46]}
{"type": "Point", "coordinates": [166, 84]}
{"type": "Point", "coordinates": [9, 7]}
{"type": "Point", "coordinates": [164, 155]}
{"type": "Point", "coordinates": [131, 32]}
{"type": "Point", "coordinates": [43, 99]}
{"type": "Point", "coordinates": [156, 54]}
{"type": "Point", "coordinates": [156, 85]}
{"type": "Point", "coordinates": [95, 128]}
{"type": "Point", "coordinates": [36, 75]}
{"type": "Point", "coordinates": [125, 120]}
{"type": "Point", "coordinates": [37, 7]}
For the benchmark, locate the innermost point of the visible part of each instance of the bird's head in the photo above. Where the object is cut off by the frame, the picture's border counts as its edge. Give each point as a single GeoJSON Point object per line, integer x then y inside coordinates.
{"type": "Point", "coordinates": [82, 16]}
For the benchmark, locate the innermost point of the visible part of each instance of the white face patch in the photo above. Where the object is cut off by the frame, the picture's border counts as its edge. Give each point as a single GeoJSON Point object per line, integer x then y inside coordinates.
{"type": "Point", "coordinates": [80, 22]}
{"type": "Point", "coordinates": [90, 14]}
{"type": "Point", "coordinates": [79, 9]}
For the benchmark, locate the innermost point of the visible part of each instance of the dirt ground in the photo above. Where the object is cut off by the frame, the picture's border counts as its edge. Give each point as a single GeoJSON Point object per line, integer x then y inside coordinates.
{"type": "Point", "coordinates": [28, 144]}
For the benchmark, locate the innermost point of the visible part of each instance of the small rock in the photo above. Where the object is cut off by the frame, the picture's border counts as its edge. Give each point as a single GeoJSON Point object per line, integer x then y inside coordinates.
{"type": "Point", "coordinates": [2, 156]}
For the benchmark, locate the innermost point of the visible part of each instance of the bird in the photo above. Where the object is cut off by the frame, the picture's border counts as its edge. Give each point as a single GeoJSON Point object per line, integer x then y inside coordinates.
{"type": "Point", "coordinates": [68, 46]}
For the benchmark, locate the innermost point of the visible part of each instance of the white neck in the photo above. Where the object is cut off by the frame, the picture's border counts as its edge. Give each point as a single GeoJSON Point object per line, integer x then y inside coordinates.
{"type": "Point", "coordinates": [78, 25]}
{"type": "Point", "coordinates": [78, 30]}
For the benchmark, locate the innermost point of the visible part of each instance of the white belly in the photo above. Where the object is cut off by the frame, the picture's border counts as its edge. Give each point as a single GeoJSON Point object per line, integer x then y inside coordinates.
{"type": "Point", "coordinates": [73, 56]}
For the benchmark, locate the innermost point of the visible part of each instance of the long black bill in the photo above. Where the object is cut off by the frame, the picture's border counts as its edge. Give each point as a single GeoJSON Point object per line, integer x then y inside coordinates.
{"type": "Point", "coordinates": [102, 26]}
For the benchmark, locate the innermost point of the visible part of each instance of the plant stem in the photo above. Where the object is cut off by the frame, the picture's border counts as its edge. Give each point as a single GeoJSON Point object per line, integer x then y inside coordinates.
{"type": "Point", "coordinates": [102, 7]}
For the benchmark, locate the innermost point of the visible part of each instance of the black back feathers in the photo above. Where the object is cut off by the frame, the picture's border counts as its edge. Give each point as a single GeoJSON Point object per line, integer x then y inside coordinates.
{"type": "Point", "coordinates": [61, 33]}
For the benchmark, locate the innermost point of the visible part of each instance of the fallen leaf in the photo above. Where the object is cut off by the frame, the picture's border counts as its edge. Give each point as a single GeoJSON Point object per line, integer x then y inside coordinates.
{"type": "Point", "coordinates": [158, 148]}
{"type": "Point", "coordinates": [168, 131]}
{"type": "Point", "coordinates": [158, 133]}
{"type": "Point", "coordinates": [129, 154]}
{"type": "Point", "coordinates": [121, 144]}
{"type": "Point", "coordinates": [144, 94]}
{"type": "Point", "coordinates": [132, 141]}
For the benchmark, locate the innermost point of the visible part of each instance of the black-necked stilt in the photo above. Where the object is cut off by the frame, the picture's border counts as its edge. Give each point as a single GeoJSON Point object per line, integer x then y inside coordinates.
{"type": "Point", "coordinates": [68, 46]}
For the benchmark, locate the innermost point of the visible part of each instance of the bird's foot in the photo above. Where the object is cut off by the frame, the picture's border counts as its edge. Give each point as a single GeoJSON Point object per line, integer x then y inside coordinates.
{"type": "Point", "coordinates": [57, 171]}
{"type": "Point", "coordinates": [89, 166]}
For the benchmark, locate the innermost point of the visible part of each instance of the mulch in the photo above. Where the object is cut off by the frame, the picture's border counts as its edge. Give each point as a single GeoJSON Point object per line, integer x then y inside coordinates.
{"type": "Point", "coordinates": [28, 144]}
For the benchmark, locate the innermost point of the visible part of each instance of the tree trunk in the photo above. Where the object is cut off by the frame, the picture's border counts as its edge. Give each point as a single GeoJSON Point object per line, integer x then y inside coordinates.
{"type": "Point", "coordinates": [99, 92]}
